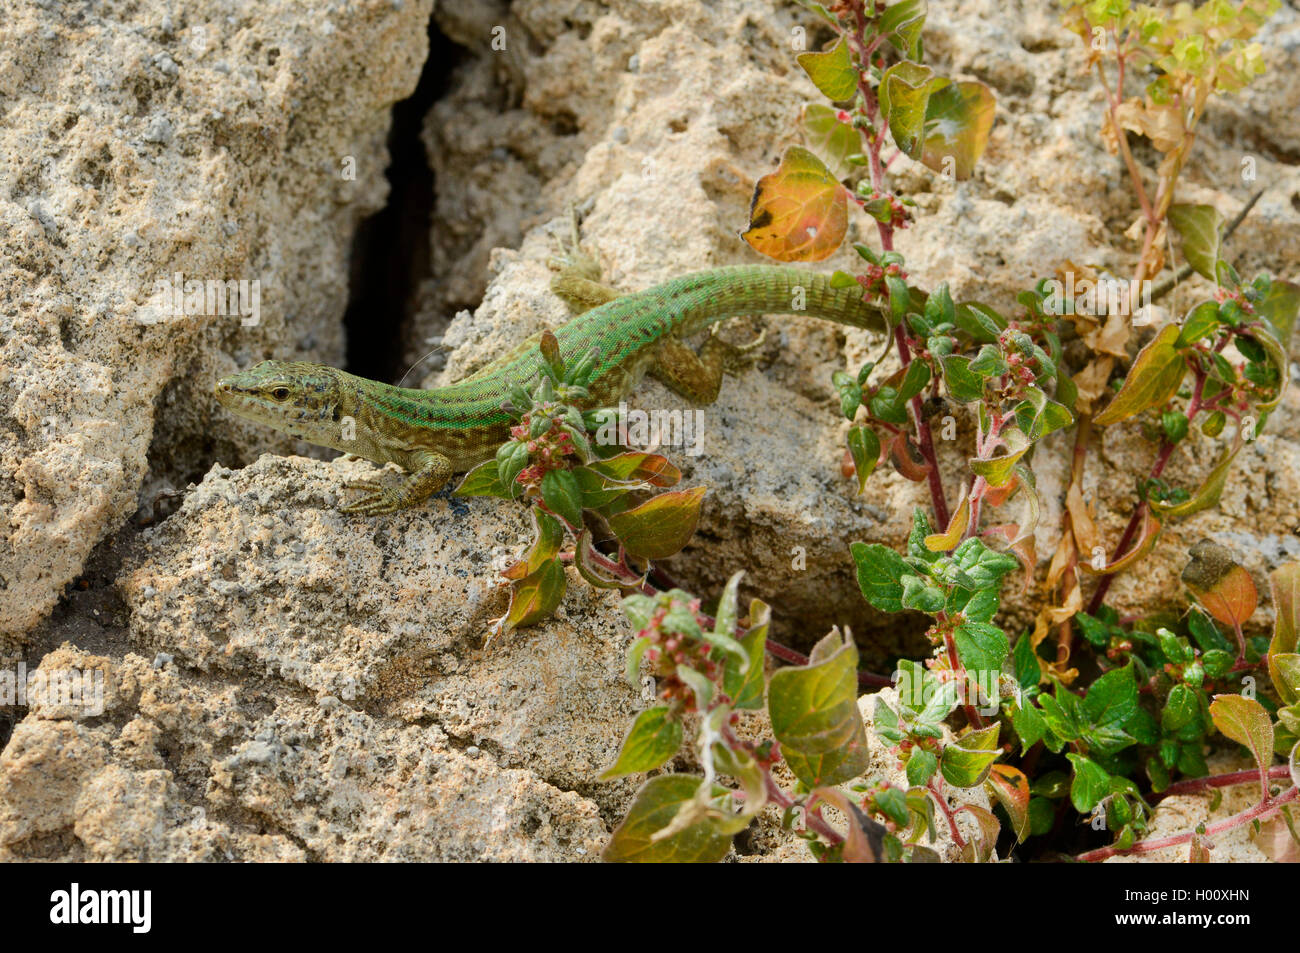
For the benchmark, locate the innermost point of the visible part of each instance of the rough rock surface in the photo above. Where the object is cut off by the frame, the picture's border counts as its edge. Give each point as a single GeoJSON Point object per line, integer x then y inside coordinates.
{"type": "Point", "coordinates": [283, 682]}
{"type": "Point", "coordinates": [141, 140]}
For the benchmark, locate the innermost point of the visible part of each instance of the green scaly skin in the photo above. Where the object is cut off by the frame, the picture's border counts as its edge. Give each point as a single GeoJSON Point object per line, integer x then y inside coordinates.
{"type": "Point", "coordinates": [434, 433]}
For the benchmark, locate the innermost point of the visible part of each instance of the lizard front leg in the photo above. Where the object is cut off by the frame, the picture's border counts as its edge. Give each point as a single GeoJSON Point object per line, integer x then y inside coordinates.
{"type": "Point", "coordinates": [430, 473]}
{"type": "Point", "coordinates": [577, 280]}
{"type": "Point", "coordinates": [698, 377]}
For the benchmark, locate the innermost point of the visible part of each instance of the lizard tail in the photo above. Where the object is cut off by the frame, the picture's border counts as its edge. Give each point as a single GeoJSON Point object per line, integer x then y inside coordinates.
{"type": "Point", "coordinates": [706, 297]}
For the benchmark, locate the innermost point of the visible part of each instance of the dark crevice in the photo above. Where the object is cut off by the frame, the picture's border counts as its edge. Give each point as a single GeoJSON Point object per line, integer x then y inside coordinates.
{"type": "Point", "coordinates": [390, 251]}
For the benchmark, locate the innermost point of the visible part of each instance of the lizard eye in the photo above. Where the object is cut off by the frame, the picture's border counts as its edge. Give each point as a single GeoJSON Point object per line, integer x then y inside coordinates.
{"type": "Point", "coordinates": [280, 393]}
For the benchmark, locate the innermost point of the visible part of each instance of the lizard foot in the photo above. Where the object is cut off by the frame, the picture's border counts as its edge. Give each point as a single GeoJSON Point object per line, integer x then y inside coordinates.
{"type": "Point", "coordinates": [379, 499]}
{"type": "Point", "coordinates": [737, 358]}
{"type": "Point", "coordinates": [572, 262]}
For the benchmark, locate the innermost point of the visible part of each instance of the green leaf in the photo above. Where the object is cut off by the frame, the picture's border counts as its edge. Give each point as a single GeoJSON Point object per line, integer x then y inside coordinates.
{"type": "Point", "coordinates": [880, 575]}
{"type": "Point", "coordinates": [915, 378]}
{"type": "Point", "coordinates": [832, 72]}
{"type": "Point", "coordinates": [1199, 226]}
{"type": "Point", "coordinates": [964, 386]}
{"type": "Point", "coordinates": [1279, 306]}
{"type": "Point", "coordinates": [661, 525]}
{"type": "Point", "coordinates": [1201, 322]}
{"type": "Point", "coordinates": [1181, 709]}
{"type": "Point", "coordinates": [983, 566]}
{"type": "Point", "coordinates": [988, 363]}
{"type": "Point", "coordinates": [1029, 671]}
{"type": "Point", "coordinates": [536, 596]}
{"type": "Point", "coordinates": [981, 322]}
{"type": "Point", "coordinates": [653, 738]}
{"type": "Point", "coordinates": [1152, 380]}
{"type": "Point", "coordinates": [1030, 725]}
{"type": "Point", "coordinates": [921, 766]}
{"type": "Point", "coordinates": [745, 688]}
{"type": "Point", "coordinates": [864, 448]}
{"type": "Point", "coordinates": [1038, 415]}
{"type": "Point", "coordinates": [512, 456]}
{"type": "Point", "coordinates": [834, 141]}
{"type": "Point", "coordinates": [562, 496]}
{"type": "Point", "coordinates": [939, 308]}
{"type": "Point", "coordinates": [814, 714]}
{"type": "Point", "coordinates": [901, 25]}
{"type": "Point", "coordinates": [657, 804]}
{"type": "Point", "coordinates": [922, 596]}
{"type": "Point", "coordinates": [483, 481]}
{"type": "Point", "coordinates": [965, 762]}
{"type": "Point", "coordinates": [1091, 783]}
{"type": "Point", "coordinates": [905, 91]}
{"type": "Point", "coordinates": [981, 646]}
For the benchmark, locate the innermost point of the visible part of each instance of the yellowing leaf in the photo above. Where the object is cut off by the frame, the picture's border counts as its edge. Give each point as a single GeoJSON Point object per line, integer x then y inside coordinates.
{"type": "Point", "coordinates": [832, 72]}
{"type": "Point", "coordinates": [1151, 381]}
{"type": "Point", "coordinates": [1010, 786]}
{"type": "Point", "coordinates": [958, 118]}
{"type": "Point", "coordinates": [658, 803]}
{"type": "Point", "coordinates": [1000, 470]}
{"type": "Point", "coordinates": [1146, 539]}
{"type": "Point", "coordinates": [1245, 721]}
{"type": "Point", "coordinates": [799, 212]}
{"type": "Point", "coordinates": [1284, 585]}
{"type": "Point", "coordinates": [948, 540]}
{"type": "Point", "coordinates": [1206, 496]}
{"type": "Point", "coordinates": [536, 596]}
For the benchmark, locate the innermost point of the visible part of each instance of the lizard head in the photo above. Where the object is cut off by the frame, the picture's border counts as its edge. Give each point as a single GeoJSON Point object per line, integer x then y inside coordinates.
{"type": "Point", "coordinates": [308, 401]}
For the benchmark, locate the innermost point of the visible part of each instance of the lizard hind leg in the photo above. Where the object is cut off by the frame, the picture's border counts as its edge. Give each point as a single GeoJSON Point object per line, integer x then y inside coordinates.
{"type": "Point", "coordinates": [698, 376]}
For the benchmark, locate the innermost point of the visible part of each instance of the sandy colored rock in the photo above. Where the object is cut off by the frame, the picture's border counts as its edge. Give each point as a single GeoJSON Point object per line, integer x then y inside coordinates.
{"type": "Point", "coordinates": [288, 683]}
{"type": "Point", "coordinates": [144, 140]}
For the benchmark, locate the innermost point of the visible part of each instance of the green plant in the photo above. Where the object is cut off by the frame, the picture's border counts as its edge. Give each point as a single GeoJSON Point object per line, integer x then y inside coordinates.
{"type": "Point", "coordinates": [1095, 726]}
{"type": "Point", "coordinates": [1039, 736]}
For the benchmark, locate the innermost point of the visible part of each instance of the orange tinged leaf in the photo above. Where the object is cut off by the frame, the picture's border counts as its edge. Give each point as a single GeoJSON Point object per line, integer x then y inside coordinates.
{"type": "Point", "coordinates": [799, 212]}
{"type": "Point", "coordinates": [1010, 786]}
{"type": "Point", "coordinates": [1225, 589]}
{"type": "Point", "coordinates": [660, 526]}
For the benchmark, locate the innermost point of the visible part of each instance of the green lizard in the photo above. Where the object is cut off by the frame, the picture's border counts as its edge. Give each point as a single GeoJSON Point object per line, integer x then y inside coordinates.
{"type": "Point", "coordinates": [434, 433]}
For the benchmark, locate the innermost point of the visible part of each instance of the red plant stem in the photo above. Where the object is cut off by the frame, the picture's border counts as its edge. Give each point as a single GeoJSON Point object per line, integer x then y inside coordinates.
{"type": "Point", "coordinates": [875, 139]}
{"type": "Point", "coordinates": [1166, 451]}
{"type": "Point", "coordinates": [1193, 785]}
{"type": "Point", "coordinates": [1261, 811]}
{"type": "Point", "coordinates": [784, 801]}
{"type": "Point", "coordinates": [972, 714]}
{"type": "Point", "coordinates": [948, 812]}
